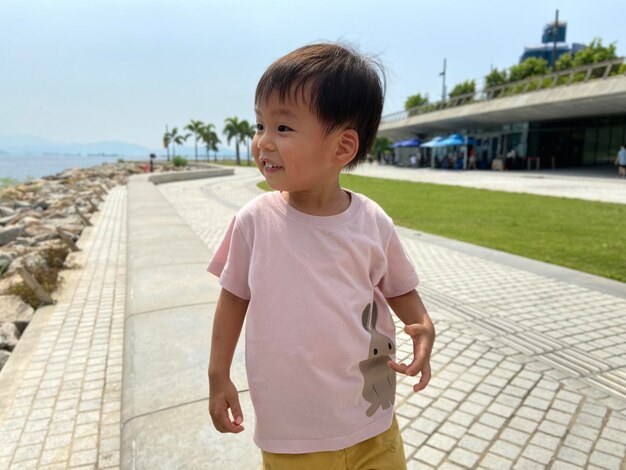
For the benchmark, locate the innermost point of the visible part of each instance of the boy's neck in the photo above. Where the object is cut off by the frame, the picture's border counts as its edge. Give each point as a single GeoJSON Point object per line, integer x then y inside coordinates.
{"type": "Point", "coordinates": [320, 202]}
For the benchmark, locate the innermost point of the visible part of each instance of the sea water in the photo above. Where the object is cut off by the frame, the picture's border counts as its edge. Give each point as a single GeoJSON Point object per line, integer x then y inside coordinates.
{"type": "Point", "coordinates": [24, 167]}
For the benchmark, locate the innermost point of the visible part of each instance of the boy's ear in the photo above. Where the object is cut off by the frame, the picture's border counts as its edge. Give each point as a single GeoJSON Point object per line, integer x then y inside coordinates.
{"type": "Point", "coordinates": [347, 146]}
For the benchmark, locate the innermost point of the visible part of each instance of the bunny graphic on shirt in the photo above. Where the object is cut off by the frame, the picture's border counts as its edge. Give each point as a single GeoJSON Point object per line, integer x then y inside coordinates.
{"type": "Point", "coordinates": [379, 385]}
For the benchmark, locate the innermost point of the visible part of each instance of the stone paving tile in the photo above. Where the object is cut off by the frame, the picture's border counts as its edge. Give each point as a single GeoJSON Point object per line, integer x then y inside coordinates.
{"type": "Point", "coordinates": [501, 394]}
{"type": "Point", "coordinates": [60, 408]}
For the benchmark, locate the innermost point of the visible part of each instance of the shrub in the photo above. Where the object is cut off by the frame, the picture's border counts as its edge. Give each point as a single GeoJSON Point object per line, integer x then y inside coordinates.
{"type": "Point", "coordinates": [531, 67]}
{"type": "Point", "coordinates": [47, 276]}
{"type": "Point", "coordinates": [414, 101]}
{"type": "Point", "coordinates": [468, 86]}
{"type": "Point", "coordinates": [178, 161]}
{"type": "Point", "coordinates": [618, 69]}
{"type": "Point", "coordinates": [495, 78]}
{"type": "Point", "coordinates": [6, 182]}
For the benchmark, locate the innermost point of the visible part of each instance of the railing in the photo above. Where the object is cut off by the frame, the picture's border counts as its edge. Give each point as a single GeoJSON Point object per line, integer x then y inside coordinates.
{"type": "Point", "coordinates": [599, 70]}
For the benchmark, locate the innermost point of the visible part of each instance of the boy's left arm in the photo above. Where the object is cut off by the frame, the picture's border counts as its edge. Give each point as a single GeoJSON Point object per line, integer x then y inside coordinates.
{"type": "Point", "coordinates": [410, 309]}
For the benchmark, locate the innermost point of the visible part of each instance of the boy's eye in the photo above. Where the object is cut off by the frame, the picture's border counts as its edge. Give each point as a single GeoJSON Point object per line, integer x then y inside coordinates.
{"type": "Point", "coordinates": [259, 127]}
{"type": "Point", "coordinates": [283, 128]}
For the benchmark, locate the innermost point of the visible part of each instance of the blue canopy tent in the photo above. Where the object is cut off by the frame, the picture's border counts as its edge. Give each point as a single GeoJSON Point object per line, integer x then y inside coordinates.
{"type": "Point", "coordinates": [404, 149]}
{"type": "Point", "coordinates": [434, 142]}
{"type": "Point", "coordinates": [407, 143]}
{"type": "Point", "coordinates": [450, 141]}
{"type": "Point", "coordinates": [457, 139]}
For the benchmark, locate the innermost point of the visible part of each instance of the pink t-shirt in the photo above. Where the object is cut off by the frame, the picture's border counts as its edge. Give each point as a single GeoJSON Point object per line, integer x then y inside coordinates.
{"type": "Point", "coordinates": [318, 329]}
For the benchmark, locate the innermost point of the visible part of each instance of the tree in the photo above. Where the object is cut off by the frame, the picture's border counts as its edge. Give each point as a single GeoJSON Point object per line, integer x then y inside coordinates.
{"type": "Point", "coordinates": [414, 101]}
{"type": "Point", "coordinates": [167, 139]}
{"type": "Point", "coordinates": [177, 139]}
{"type": "Point", "coordinates": [531, 67]}
{"type": "Point", "coordinates": [468, 86]}
{"type": "Point", "coordinates": [248, 131]}
{"type": "Point", "coordinates": [233, 130]}
{"type": "Point", "coordinates": [382, 145]}
{"type": "Point", "coordinates": [195, 127]}
{"type": "Point", "coordinates": [566, 61]}
{"type": "Point", "coordinates": [594, 53]}
{"type": "Point", "coordinates": [495, 78]}
{"type": "Point", "coordinates": [210, 139]}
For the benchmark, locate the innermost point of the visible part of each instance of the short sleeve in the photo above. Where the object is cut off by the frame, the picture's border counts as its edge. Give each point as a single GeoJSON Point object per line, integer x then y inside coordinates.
{"type": "Point", "coordinates": [400, 277]}
{"type": "Point", "coordinates": [231, 262]}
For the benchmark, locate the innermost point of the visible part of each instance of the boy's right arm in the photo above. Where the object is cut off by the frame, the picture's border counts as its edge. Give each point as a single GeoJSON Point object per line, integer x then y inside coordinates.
{"type": "Point", "coordinates": [229, 316]}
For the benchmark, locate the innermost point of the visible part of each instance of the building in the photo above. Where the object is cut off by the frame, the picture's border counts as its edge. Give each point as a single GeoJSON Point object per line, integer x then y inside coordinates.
{"type": "Point", "coordinates": [570, 118]}
{"type": "Point", "coordinates": [548, 49]}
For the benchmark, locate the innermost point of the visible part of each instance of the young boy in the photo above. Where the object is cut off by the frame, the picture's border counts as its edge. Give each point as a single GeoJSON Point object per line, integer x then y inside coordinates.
{"type": "Point", "coordinates": [314, 269]}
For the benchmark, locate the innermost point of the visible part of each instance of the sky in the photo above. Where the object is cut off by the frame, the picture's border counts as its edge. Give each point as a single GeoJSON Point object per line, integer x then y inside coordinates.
{"type": "Point", "coordinates": [88, 71]}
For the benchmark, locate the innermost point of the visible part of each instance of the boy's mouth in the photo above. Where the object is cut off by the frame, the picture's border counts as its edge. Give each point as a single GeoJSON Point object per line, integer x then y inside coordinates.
{"type": "Point", "coordinates": [267, 165]}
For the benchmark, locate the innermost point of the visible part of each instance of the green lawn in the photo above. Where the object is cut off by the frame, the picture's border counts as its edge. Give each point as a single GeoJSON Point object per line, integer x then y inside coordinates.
{"type": "Point", "coordinates": [583, 235]}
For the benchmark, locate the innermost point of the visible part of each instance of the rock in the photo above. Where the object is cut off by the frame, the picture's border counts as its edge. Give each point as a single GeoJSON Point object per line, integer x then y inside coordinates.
{"type": "Point", "coordinates": [21, 205]}
{"type": "Point", "coordinates": [7, 254]}
{"type": "Point", "coordinates": [9, 334]}
{"type": "Point", "coordinates": [6, 283]}
{"type": "Point", "coordinates": [6, 211]}
{"type": "Point", "coordinates": [6, 220]}
{"type": "Point", "coordinates": [4, 357]}
{"type": "Point", "coordinates": [14, 310]}
{"type": "Point", "coordinates": [42, 204]}
{"type": "Point", "coordinates": [23, 241]}
{"type": "Point", "coordinates": [31, 262]}
{"type": "Point", "coordinates": [41, 231]}
{"type": "Point", "coordinates": [9, 234]}
{"type": "Point", "coordinates": [31, 218]}
{"type": "Point", "coordinates": [4, 265]}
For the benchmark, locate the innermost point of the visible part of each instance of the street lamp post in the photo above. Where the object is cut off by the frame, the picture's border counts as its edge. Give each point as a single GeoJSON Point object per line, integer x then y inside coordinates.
{"type": "Point", "coordinates": [443, 74]}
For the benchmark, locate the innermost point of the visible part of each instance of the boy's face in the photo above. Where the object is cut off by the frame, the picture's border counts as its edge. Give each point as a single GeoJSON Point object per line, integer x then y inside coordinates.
{"type": "Point", "coordinates": [291, 148]}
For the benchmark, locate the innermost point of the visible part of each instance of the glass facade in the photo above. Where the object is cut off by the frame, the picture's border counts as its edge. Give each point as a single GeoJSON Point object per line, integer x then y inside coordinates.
{"type": "Point", "coordinates": [589, 141]}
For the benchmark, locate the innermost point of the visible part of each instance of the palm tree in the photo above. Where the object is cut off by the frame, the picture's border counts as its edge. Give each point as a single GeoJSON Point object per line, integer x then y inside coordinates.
{"type": "Point", "coordinates": [167, 139]}
{"type": "Point", "coordinates": [177, 139]}
{"type": "Point", "coordinates": [247, 133]}
{"type": "Point", "coordinates": [195, 127]}
{"type": "Point", "coordinates": [210, 139]}
{"type": "Point", "coordinates": [233, 130]}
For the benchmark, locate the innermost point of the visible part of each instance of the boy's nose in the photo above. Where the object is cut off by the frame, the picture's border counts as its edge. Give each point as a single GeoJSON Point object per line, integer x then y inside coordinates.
{"type": "Point", "coordinates": [265, 143]}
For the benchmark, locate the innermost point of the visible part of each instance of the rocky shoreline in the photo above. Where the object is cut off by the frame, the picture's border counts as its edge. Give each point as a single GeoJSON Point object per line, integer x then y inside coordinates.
{"type": "Point", "coordinates": [34, 218]}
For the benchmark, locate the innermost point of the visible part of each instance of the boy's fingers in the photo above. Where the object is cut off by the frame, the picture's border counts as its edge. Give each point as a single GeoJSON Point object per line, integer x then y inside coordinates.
{"type": "Point", "coordinates": [226, 425]}
{"type": "Point", "coordinates": [421, 385]}
{"type": "Point", "coordinates": [235, 409]}
{"type": "Point", "coordinates": [414, 367]}
{"type": "Point", "coordinates": [222, 421]}
{"type": "Point", "coordinates": [401, 368]}
{"type": "Point", "coordinates": [415, 329]}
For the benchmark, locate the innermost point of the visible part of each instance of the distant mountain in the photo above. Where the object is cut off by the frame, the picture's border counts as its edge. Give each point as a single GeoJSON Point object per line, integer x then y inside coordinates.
{"type": "Point", "coordinates": [3, 152]}
{"type": "Point", "coordinates": [32, 145]}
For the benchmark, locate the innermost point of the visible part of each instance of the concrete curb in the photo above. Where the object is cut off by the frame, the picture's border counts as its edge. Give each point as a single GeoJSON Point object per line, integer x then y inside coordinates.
{"type": "Point", "coordinates": [170, 302]}
{"type": "Point", "coordinates": [173, 176]}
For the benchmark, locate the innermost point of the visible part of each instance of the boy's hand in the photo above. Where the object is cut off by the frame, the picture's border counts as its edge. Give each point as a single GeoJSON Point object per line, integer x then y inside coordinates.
{"type": "Point", "coordinates": [222, 396]}
{"type": "Point", "coordinates": [423, 339]}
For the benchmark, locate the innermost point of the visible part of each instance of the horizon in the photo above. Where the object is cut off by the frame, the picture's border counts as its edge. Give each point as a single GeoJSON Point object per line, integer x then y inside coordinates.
{"type": "Point", "coordinates": [121, 72]}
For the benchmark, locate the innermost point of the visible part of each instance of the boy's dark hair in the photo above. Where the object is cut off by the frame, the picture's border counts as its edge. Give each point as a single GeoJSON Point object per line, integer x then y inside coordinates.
{"type": "Point", "coordinates": [344, 89]}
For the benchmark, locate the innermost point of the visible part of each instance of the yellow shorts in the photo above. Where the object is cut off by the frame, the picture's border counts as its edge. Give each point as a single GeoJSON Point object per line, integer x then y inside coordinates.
{"type": "Point", "coordinates": [382, 452]}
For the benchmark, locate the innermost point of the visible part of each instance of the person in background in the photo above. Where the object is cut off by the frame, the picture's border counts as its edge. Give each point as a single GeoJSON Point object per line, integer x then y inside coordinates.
{"type": "Point", "coordinates": [620, 161]}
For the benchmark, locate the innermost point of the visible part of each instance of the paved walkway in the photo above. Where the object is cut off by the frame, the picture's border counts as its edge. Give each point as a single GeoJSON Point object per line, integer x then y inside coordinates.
{"type": "Point", "coordinates": [60, 392]}
{"type": "Point", "coordinates": [528, 367]}
{"type": "Point", "coordinates": [529, 371]}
